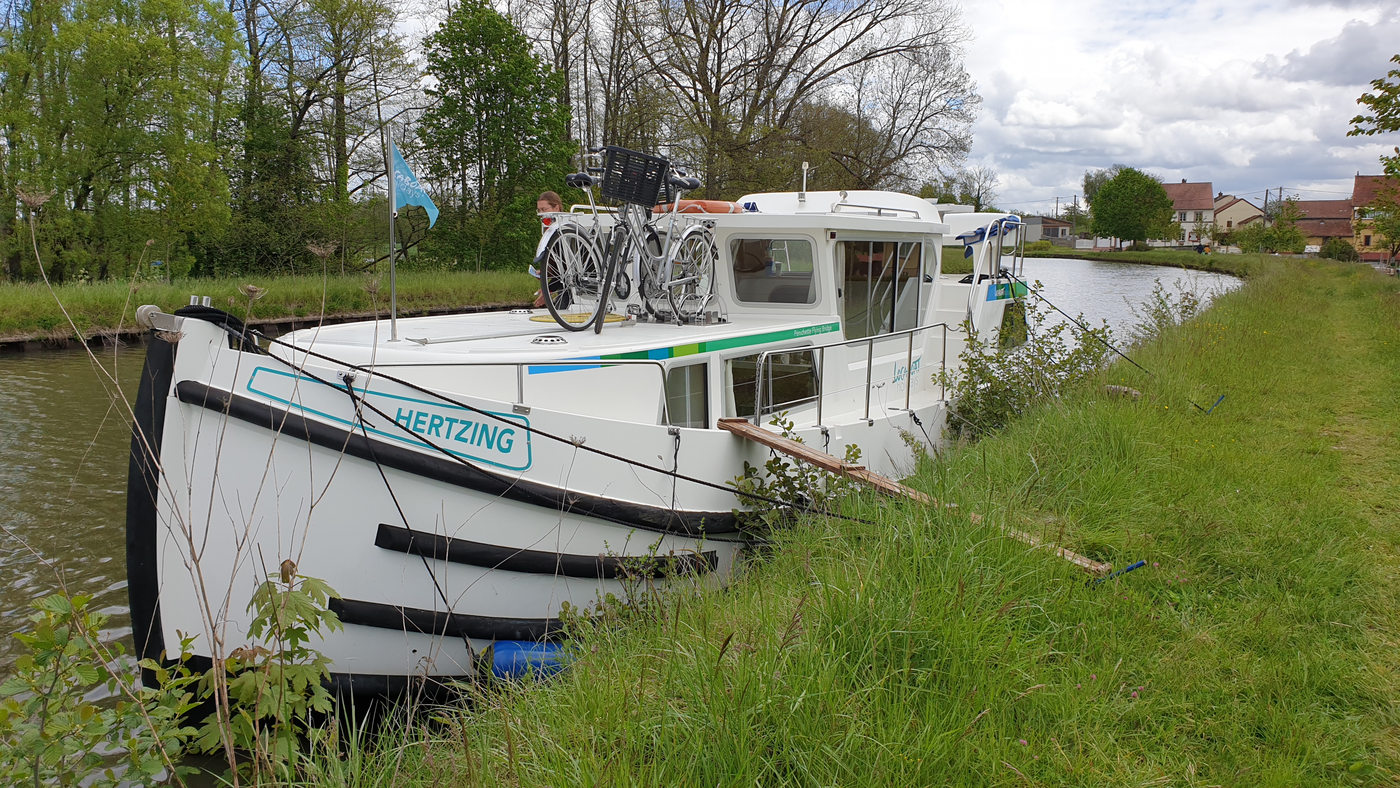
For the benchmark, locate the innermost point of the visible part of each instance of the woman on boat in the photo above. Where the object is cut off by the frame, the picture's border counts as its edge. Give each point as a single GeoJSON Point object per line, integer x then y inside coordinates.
{"type": "Point", "coordinates": [548, 202]}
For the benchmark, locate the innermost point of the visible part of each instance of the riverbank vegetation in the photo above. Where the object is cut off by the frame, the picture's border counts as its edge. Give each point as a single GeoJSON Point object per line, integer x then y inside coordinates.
{"type": "Point", "coordinates": [1255, 646]}
{"type": "Point", "coordinates": [29, 311]}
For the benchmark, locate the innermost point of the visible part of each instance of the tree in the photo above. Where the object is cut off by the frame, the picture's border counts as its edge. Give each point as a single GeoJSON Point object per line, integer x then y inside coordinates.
{"type": "Point", "coordinates": [496, 126]}
{"type": "Point", "coordinates": [1282, 235]}
{"type": "Point", "coordinates": [1338, 249]}
{"type": "Point", "coordinates": [978, 187]}
{"type": "Point", "coordinates": [740, 73]}
{"type": "Point", "coordinates": [1095, 179]}
{"type": "Point", "coordinates": [1133, 206]}
{"type": "Point", "coordinates": [1384, 105]}
{"type": "Point", "coordinates": [114, 108]}
{"type": "Point", "coordinates": [1384, 220]}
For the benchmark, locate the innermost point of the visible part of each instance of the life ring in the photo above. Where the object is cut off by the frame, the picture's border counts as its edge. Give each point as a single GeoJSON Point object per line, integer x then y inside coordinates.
{"type": "Point", "coordinates": [701, 206]}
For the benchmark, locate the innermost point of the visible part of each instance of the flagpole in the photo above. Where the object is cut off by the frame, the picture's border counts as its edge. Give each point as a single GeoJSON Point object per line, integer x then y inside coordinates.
{"type": "Point", "coordinates": [393, 247]}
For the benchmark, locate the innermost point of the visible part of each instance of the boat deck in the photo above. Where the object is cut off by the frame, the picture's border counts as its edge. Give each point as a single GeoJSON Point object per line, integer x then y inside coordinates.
{"type": "Point", "coordinates": [515, 337]}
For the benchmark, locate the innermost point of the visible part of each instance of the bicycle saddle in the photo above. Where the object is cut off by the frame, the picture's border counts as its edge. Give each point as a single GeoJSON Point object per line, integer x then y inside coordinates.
{"type": "Point", "coordinates": [579, 180]}
{"type": "Point", "coordinates": [686, 184]}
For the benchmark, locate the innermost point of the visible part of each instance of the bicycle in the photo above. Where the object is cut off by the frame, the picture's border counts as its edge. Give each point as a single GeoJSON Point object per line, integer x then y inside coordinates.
{"type": "Point", "coordinates": [580, 271]}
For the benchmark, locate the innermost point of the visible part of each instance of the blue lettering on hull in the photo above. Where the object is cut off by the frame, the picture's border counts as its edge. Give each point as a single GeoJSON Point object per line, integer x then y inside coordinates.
{"type": "Point", "coordinates": [503, 442]}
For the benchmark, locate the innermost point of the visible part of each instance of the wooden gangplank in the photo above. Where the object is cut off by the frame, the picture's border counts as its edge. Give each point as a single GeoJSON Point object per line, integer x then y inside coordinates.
{"type": "Point", "coordinates": [748, 430]}
{"type": "Point", "coordinates": [832, 464]}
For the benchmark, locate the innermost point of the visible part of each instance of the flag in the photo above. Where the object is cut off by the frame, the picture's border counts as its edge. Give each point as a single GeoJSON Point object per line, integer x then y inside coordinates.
{"type": "Point", "coordinates": [407, 189]}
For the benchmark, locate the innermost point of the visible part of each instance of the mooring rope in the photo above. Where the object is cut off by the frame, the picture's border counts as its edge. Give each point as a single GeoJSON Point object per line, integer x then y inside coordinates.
{"type": "Point", "coordinates": [1092, 334]}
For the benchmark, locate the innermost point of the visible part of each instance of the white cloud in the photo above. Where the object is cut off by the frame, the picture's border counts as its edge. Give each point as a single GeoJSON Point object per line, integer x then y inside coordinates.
{"type": "Point", "coordinates": [1247, 95]}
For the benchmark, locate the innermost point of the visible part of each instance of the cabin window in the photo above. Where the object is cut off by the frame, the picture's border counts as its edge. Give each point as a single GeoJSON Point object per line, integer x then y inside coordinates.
{"type": "Point", "coordinates": [879, 289]}
{"type": "Point", "coordinates": [686, 404]}
{"type": "Point", "coordinates": [790, 379]}
{"type": "Point", "coordinates": [773, 271]}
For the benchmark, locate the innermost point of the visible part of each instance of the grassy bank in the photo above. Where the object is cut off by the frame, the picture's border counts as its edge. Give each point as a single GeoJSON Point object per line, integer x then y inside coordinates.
{"type": "Point", "coordinates": [1257, 646]}
{"type": "Point", "coordinates": [29, 311]}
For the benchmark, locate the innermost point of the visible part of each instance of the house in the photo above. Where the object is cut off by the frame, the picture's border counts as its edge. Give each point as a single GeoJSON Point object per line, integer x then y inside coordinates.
{"type": "Point", "coordinates": [1194, 208]}
{"type": "Point", "coordinates": [1325, 219]}
{"type": "Point", "coordinates": [1365, 193]}
{"type": "Point", "coordinates": [1232, 213]}
{"type": "Point", "coordinates": [1045, 228]}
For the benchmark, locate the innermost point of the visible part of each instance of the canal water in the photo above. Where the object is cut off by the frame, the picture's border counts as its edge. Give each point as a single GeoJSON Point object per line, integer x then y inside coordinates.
{"type": "Point", "coordinates": [64, 447]}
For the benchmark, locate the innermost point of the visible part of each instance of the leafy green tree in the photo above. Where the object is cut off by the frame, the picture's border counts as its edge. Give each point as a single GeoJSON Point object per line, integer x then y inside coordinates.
{"type": "Point", "coordinates": [111, 107]}
{"type": "Point", "coordinates": [1282, 235]}
{"type": "Point", "coordinates": [1383, 218]}
{"type": "Point", "coordinates": [1095, 179]}
{"type": "Point", "coordinates": [1384, 106]}
{"type": "Point", "coordinates": [1133, 206]}
{"type": "Point", "coordinates": [497, 129]}
{"type": "Point", "coordinates": [1339, 249]}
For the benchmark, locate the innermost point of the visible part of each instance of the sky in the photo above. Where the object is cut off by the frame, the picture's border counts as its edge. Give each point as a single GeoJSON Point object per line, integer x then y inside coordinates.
{"type": "Point", "coordinates": [1248, 95]}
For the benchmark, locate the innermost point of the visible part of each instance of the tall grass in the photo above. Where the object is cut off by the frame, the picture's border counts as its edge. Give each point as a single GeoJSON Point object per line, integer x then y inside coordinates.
{"type": "Point", "coordinates": [28, 310]}
{"type": "Point", "coordinates": [1257, 646]}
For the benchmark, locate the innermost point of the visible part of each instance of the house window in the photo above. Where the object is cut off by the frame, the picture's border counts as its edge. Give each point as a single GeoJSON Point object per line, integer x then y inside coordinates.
{"type": "Point", "coordinates": [773, 271]}
{"type": "Point", "coordinates": [879, 286]}
{"type": "Point", "coordinates": [1200, 216]}
{"type": "Point", "coordinates": [686, 405]}
{"type": "Point", "coordinates": [1229, 223]}
{"type": "Point", "coordinates": [1365, 240]}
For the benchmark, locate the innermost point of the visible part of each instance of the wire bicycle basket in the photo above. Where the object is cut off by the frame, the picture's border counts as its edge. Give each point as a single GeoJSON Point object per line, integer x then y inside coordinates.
{"type": "Point", "coordinates": [633, 177]}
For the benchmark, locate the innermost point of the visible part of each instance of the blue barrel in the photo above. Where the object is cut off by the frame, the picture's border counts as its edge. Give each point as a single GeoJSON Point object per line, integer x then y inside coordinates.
{"type": "Point", "coordinates": [513, 659]}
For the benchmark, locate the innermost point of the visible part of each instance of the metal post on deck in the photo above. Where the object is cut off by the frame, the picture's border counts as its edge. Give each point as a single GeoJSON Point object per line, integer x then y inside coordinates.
{"type": "Point", "coordinates": [943, 368]}
{"type": "Point", "coordinates": [869, 366]}
{"type": "Point", "coordinates": [821, 373]}
{"type": "Point", "coordinates": [520, 384]}
{"type": "Point", "coordinates": [909, 372]}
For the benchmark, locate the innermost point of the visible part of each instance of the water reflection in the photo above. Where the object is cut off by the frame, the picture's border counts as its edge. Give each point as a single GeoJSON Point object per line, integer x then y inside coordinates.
{"type": "Point", "coordinates": [1109, 291]}
{"type": "Point", "coordinates": [63, 450]}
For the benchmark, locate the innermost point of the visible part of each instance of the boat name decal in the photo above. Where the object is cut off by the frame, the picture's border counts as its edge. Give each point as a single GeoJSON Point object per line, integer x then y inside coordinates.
{"type": "Point", "coordinates": [499, 439]}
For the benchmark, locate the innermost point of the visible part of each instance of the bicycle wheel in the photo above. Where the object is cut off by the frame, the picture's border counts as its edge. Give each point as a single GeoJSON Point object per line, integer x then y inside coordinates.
{"type": "Point", "coordinates": [692, 272]}
{"type": "Point", "coordinates": [570, 277]}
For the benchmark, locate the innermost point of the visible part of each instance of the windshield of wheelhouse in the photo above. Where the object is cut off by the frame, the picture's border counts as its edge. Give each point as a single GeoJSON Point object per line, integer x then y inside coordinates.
{"type": "Point", "coordinates": [879, 286]}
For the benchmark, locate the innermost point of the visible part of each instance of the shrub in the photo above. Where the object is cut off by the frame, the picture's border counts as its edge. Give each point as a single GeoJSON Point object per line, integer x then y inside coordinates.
{"type": "Point", "coordinates": [1039, 246]}
{"type": "Point", "coordinates": [1338, 249]}
{"type": "Point", "coordinates": [992, 386]}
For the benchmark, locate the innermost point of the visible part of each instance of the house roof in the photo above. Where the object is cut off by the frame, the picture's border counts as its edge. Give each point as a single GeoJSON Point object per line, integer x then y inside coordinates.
{"type": "Point", "coordinates": [1231, 202]}
{"type": "Point", "coordinates": [1325, 209]}
{"type": "Point", "coordinates": [1191, 196]}
{"type": "Point", "coordinates": [1367, 188]}
{"type": "Point", "coordinates": [1326, 228]}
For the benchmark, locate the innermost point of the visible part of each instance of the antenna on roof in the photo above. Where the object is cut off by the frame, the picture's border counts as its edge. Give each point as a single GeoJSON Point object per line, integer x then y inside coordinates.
{"type": "Point", "coordinates": [802, 195]}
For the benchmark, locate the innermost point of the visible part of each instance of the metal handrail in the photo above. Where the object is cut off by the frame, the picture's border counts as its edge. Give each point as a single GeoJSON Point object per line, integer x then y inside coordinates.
{"type": "Point", "coordinates": [869, 366]}
{"type": "Point", "coordinates": [878, 209]}
{"type": "Point", "coordinates": [999, 223]}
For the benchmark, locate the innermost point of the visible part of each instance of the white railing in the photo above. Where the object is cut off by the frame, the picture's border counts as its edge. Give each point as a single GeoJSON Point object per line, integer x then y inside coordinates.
{"type": "Point", "coordinates": [819, 359]}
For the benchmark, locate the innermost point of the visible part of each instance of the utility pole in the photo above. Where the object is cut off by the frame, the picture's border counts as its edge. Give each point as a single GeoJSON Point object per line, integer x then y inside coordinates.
{"type": "Point", "coordinates": [1057, 207]}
